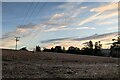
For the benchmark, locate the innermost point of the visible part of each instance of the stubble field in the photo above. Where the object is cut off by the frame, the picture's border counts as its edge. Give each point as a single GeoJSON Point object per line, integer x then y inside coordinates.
{"type": "Point", "coordinates": [23, 64]}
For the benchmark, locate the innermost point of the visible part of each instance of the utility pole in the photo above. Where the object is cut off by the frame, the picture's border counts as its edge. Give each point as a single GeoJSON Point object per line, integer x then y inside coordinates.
{"type": "Point", "coordinates": [17, 39]}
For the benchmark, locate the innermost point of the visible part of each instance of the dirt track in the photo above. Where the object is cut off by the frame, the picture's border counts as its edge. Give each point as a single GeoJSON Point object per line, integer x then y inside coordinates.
{"type": "Point", "coordinates": [22, 64]}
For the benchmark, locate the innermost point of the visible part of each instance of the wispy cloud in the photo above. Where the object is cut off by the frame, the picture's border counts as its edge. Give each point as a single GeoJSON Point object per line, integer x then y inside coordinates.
{"type": "Point", "coordinates": [68, 19]}
{"type": "Point", "coordinates": [109, 15]}
{"type": "Point", "coordinates": [107, 22]}
{"type": "Point", "coordinates": [63, 21]}
{"type": "Point", "coordinates": [90, 19]}
{"type": "Point", "coordinates": [112, 28]}
{"type": "Point", "coordinates": [22, 31]}
{"type": "Point", "coordinates": [66, 28]}
{"type": "Point", "coordinates": [68, 5]}
{"type": "Point", "coordinates": [8, 43]}
{"type": "Point", "coordinates": [57, 16]}
{"type": "Point", "coordinates": [79, 42]}
{"type": "Point", "coordinates": [100, 13]}
{"type": "Point", "coordinates": [84, 7]}
{"type": "Point", "coordinates": [104, 8]}
{"type": "Point", "coordinates": [59, 39]}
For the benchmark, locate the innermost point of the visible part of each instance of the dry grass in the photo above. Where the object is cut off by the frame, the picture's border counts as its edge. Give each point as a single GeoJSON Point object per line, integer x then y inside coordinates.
{"type": "Point", "coordinates": [22, 64]}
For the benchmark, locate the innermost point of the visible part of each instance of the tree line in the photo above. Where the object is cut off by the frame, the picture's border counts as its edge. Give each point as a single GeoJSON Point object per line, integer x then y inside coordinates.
{"type": "Point", "coordinates": [89, 49]}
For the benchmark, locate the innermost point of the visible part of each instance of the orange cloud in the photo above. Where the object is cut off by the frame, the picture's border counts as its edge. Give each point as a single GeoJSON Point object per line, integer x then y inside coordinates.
{"type": "Point", "coordinates": [110, 6]}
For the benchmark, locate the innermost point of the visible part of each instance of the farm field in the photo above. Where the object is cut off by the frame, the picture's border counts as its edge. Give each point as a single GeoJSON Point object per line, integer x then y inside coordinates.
{"type": "Point", "coordinates": [26, 64]}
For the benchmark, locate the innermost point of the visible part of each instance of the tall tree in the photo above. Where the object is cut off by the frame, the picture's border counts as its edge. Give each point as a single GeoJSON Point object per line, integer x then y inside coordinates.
{"type": "Point", "coordinates": [90, 44]}
{"type": "Point", "coordinates": [38, 48]}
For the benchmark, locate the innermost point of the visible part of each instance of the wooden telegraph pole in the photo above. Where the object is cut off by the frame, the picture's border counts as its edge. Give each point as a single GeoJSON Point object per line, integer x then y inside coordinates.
{"type": "Point", "coordinates": [17, 39]}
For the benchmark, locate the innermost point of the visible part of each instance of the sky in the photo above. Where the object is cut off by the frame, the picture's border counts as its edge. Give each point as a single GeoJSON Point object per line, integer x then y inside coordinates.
{"type": "Point", "coordinates": [50, 24]}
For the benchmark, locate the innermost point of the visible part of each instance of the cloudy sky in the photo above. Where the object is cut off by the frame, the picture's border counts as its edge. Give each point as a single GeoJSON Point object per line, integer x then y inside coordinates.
{"type": "Point", "coordinates": [58, 23]}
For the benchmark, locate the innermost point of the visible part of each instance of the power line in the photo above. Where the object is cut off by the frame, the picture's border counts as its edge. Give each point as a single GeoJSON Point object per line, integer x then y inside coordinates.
{"type": "Point", "coordinates": [41, 8]}
{"type": "Point", "coordinates": [27, 12]}
{"type": "Point", "coordinates": [33, 10]}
